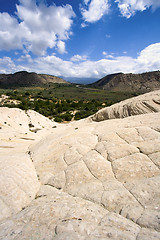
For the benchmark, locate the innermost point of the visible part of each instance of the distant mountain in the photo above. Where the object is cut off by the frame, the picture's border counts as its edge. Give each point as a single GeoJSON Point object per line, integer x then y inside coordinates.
{"type": "Point", "coordinates": [144, 82]}
{"type": "Point", "coordinates": [80, 80]}
{"type": "Point", "coordinates": [25, 79]}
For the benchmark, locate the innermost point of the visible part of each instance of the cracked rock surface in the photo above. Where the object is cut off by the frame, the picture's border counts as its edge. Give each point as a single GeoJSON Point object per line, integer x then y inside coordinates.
{"type": "Point", "coordinates": [82, 180]}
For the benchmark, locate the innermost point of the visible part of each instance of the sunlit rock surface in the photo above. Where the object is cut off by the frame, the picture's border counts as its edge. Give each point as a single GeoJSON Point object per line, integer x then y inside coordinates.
{"type": "Point", "coordinates": [146, 103]}
{"type": "Point", "coordinates": [82, 180]}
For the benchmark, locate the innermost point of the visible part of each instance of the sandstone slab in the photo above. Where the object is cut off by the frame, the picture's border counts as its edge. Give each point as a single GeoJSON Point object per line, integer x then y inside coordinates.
{"type": "Point", "coordinates": [82, 180]}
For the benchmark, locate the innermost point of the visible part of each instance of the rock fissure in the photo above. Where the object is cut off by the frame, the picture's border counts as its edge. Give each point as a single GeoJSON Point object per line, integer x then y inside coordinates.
{"type": "Point", "coordinates": [65, 179]}
{"type": "Point", "coordinates": [90, 171]}
{"type": "Point", "coordinates": [127, 190]}
{"type": "Point", "coordinates": [122, 138]}
{"type": "Point", "coordinates": [153, 161]}
{"type": "Point", "coordinates": [30, 154]}
{"type": "Point", "coordinates": [134, 197]}
{"type": "Point", "coordinates": [65, 160]}
{"type": "Point", "coordinates": [139, 133]}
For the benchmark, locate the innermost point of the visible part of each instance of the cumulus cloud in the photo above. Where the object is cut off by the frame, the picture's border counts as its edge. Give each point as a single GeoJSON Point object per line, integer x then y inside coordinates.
{"type": "Point", "coordinates": [25, 57]}
{"type": "Point", "coordinates": [11, 33]}
{"type": "Point", "coordinates": [94, 10]}
{"type": "Point", "coordinates": [53, 65]}
{"type": "Point", "coordinates": [61, 47]}
{"type": "Point", "coordinates": [7, 65]}
{"type": "Point", "coordinates": [36, 27]}
{"type": "Point", "coordinates": [128, 8]}
{"type": "Point", "coordinates": [107, 55]}
{"type": "Point", "coordinates": [147, 60]}
{"type": "Point", "coordinates": [78, 58]}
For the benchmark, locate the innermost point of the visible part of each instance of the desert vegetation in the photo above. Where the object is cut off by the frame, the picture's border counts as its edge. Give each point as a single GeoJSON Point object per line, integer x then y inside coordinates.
{"type": "Point", "coordinates": [62, 102]}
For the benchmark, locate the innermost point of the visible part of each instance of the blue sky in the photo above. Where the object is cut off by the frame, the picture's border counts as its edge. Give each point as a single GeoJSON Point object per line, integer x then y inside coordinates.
{"type": "Point", "coordinates": [79, 38]}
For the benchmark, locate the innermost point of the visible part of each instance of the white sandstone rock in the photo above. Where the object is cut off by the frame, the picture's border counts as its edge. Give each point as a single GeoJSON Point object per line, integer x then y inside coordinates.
{"type": "Point", "coordinates": [82, 180]}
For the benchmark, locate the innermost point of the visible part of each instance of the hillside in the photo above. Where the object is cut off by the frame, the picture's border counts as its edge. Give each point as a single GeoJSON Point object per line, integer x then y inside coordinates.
{"type": "Point", "coordinates": [144, 82]}
{"type": "Point", "coordinates": [83, 180]}
{"type": "Point", "coordinates": [25, 79]}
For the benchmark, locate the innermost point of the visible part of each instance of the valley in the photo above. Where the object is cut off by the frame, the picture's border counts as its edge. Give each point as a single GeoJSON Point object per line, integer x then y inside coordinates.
{"type": "Point", "coordinates": [62, 102]}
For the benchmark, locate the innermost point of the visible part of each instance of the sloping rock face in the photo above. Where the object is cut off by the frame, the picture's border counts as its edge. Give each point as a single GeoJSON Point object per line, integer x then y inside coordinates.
{"type": "Point", "coordinates": [144, 82]}
{"type": "Point", "coordinates": [18, 179]}
{"type": "Point", "coordinates": [146, 103]}
{"type": "Point", "coordinates": [87, 180]}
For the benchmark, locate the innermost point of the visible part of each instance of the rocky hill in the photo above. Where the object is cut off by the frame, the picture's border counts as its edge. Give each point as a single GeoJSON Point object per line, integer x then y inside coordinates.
{"type": "Point", "coordinates": [144, 82]}
{"type": "Point", "coordinates": [23, 79]}
{"type": "Point", "coordinates": [84, 180]}
{"type": "Point", "coordinates": [146, 103]}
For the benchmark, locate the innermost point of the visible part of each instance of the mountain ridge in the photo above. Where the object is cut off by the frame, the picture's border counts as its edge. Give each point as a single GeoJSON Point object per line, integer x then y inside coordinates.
{"type": "Point", "coordinates": [24, 78]}
{"type": "Point", "coordinates": [144, 82]}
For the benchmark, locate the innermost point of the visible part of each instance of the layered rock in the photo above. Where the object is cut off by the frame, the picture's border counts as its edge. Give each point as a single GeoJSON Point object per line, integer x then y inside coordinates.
{"type": "Point", "coordinates": [146, 103]}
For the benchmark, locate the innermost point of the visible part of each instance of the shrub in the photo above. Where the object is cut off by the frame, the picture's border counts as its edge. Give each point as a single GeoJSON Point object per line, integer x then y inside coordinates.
{"type": "Point", "coordinates": [58, 119]}
{"type": "Point", "coordinates": [67, 116]}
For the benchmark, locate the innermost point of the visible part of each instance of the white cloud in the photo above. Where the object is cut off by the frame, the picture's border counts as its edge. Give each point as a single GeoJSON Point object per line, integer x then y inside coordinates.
{"type": "Point", "coordinates": [61, 47]}
{"type": "Point", "coordinates": [107, 55]}
{"type": "Point", "coordinates": [128, 8]}
{"type": "Point", "coordinates": [104, 53]}
{"type": "Point", "coordinates": [7, 65]}
{"type": "Point", "coordinates": [147, 60]}
{"type": "Point", "coordinates": [86, 1]}
{"type": "Point", "coordinates": [78, 58]}
{"type": "Point", "coordinates": [11, 33]}
{"type": "Point", "coordinates": [83, 25]}
{"type": "Point", "coordinates": [53, 65]}
{"type": "Point", "coordinates": [37, 28]}
{"type": "Point", "coordinates": [94, 10]}
{"type": "Point", "coordinates": [26, 57]}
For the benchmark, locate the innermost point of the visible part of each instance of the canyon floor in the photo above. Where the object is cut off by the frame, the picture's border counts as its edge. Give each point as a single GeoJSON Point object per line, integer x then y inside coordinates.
{"type": "Point", "coordinates": [93, 179]}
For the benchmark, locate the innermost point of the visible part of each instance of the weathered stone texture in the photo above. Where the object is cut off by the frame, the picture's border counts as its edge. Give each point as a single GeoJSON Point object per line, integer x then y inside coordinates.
{"type": "Point", "coordinates": [82, 180]}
